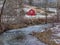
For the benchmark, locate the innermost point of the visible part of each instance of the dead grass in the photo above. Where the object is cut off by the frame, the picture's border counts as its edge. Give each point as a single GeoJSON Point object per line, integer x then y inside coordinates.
{"type": "Point", "coordinates": [45, 37]}
{"type": "Point", "coordinates": [24, 23]}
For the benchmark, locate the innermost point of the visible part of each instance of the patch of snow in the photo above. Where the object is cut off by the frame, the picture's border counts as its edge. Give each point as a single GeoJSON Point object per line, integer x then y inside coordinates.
{"type": "Point", "coordinates": [26, 9]}
{"type": "Point", "coordinates": [52, 9]}
{"type": "Point", "coordinates": [58, 35]}
{"type": "Point", "coordinates": [56, 29]}
{"type": "Point", "coordinates": [29, 16]}
{"type": "Point", "coordinates": [38, 16]}
{"type": "Point", "coordinates": [57, 41]}
{"type": "Point", "coordinates": [1, 6]}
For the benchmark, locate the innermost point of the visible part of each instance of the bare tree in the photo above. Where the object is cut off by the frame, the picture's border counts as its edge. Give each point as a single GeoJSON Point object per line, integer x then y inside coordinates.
{"type": "Point", "coordinates": [46, 7]}
{"type": "Point", "coordinates": [58, 10]}
{"type": "Point", "coordinates": [21, 8]}
{"type": "Point", "coordinates": [30, 2]}
{"type": "Point", "coordinates": [2, 12]}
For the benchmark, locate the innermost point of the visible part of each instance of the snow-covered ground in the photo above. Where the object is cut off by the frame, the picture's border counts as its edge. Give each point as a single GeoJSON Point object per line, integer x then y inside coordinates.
{"type": "Point", "coordinates": [29, 40]}
{"type": "Point", "coordinates": [56, 34]}
{"type": "Point", "coordinates": [38, 15]}
{"type": "Point", "coordinates": [52, 9]}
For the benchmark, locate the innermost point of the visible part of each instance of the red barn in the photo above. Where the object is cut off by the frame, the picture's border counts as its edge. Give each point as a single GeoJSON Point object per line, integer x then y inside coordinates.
{"type": "Point", "coordinates": [31, 12]}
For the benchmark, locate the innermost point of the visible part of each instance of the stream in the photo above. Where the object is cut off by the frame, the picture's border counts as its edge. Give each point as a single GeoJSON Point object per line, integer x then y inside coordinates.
{"type": "Point", "coordinates": [9, 37]}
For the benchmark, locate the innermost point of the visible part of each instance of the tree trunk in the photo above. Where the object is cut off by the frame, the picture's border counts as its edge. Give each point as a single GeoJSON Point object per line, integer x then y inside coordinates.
{"type": "Point", "coordinates": [22, 13]}
{"type": "Point", "coordinates": [1, 14]}
{"type": "Point", "coordinates": [58, 6]}
{"type": "Point", "coordinates": [30, 2]}
{"type": "Point", "coordinates": [46, 6]}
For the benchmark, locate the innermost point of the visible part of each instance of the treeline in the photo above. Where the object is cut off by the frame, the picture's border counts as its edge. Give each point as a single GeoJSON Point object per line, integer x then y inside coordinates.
{"type": "Point", "coordinates": [41, 3]}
